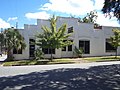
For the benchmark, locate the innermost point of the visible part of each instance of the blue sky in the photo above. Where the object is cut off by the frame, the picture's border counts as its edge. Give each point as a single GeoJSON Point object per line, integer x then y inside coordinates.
{"type": "Point", "coordinates": [27, 11]}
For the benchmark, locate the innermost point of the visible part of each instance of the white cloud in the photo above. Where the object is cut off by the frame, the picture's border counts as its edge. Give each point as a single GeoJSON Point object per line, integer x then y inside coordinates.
{"type": "Point", "coordinates": [80, 7]}
{"type": "Point", "coordinates": [74, 7]}
{"type": "Point", "coordinates": [4, 24]}
{"type": "Point", "coordinates": [107, 21]}
{"type": "Point", "coordinates": [12, 19]}
{"type": "Point", "coordinates": [37, 15]}
{"type": "Point", "coordinates": [98, 4]}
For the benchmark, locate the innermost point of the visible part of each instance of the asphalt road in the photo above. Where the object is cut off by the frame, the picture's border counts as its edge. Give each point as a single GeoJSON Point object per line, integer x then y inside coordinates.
{"type": "Point", "coordinates": [84, 76]}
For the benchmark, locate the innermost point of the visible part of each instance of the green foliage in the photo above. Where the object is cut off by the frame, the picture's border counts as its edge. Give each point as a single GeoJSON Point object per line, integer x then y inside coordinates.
{"type": "Point", "coordinates": [2, 40]}
{"type": "Point", "coordinates": [78, 51]}
{"type": "Point", "coordinates": [112, 6]}
{"type": "Point", "coordinates": [53, 37]}
{"type": "Point", "coordinates": [102, 59]}
{"type": "Point", "coordinates": [115, 39]}
{"type": "Point", "coordinates": [38, 54]}
{"type": "Point", "coordinates": [90, 17]}
{"type": "Point", "coordinates": [13, 40]}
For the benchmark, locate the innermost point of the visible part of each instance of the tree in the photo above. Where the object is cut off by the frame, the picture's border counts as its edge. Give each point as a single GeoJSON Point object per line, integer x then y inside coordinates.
{"type": "Point", "coordinates": [38, 54]}
{"type": "Point", "coordinates": [2, 41]}
{"type": "Point", "coordinates": [13, 40]}
{"type": "Point", "coordinates": [89, 18]}
{"type": "Point", "coordinates": [52, 37]}
{"type": "Point", "coordinates": [112, 6]}
{"type": "Point", "coordinates": [115, 39]}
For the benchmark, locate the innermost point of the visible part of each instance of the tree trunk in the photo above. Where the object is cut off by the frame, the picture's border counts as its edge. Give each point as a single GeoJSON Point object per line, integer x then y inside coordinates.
{"type": "Point", "coordinates": [1, 48]}
{"type": "Point", "coordinates": [9, 55]}
{"type": "Point", "coordinates": [116, 53]}
{"type": "Point", "coordinates": [51, 54]}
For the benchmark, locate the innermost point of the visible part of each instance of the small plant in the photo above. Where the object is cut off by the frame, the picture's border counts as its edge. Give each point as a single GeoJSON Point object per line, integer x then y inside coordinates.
{"type": "Point", "coordinates": [38, 54]}
{"type": "Point", "coordinates": [78, 51]}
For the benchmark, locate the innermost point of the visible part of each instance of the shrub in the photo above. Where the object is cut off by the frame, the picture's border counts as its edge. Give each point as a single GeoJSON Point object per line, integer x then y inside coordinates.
{"type": "Point", "coordinates": [78, 51]}
{"type": "Point", "coordinates": [38, 54]}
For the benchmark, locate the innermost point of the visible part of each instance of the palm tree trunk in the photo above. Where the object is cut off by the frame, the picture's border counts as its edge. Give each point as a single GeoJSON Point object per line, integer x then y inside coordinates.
{"type": "Point", "coordinates": [116, 53]}
{"type": "Point", "coordinates": [9, 55]}
{"type": "Point", "coordinates": [1, 47]}
{"type": "Point", "coordinates": [51, 54]}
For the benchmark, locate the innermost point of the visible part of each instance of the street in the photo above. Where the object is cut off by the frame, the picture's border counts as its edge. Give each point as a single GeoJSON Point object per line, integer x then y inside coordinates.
{"type": "Point", "coordinates": [84, 76]}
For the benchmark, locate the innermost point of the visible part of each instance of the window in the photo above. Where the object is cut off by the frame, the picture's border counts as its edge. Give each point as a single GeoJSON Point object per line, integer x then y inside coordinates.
{"type": "Point", "coordinates": [31, 47]}
{"type": "Point", "coordinates": [19, 51]}
{"type": "Point", "coordinates": [109, 47]}
{"type": "Point", "coordinates": [48, 51]}
{"type": "Point", "coordinates": [85, 45]}
{"type": "Point", "coordinates": [31, 41]}
{"type": "Point", "coordinates": [70, 30]}
{"type": "Point", "coordinates": [45, 50]}
{"type": "Point", "coordinates": [70, 46]}
{"type": "Point", "coordinates": [64, 49]}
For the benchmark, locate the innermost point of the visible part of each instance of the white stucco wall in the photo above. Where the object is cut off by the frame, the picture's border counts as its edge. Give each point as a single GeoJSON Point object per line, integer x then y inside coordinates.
{"type": "Point", "coordinates": [82, 31]}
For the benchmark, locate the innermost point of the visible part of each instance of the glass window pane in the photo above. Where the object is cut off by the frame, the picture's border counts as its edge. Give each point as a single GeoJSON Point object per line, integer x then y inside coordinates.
{"type": "Point", "coordinates": [70, 48]}
{"type": "Point", "coordinates": [45, 50]}
{"type": "Point", "coordinates": [64, 49]}
{"type": "Point", "coordinates": [109, 47]}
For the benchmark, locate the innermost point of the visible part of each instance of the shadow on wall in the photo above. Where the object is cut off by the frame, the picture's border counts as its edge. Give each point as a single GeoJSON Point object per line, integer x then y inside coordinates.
{"type": "Point", "coordinates": [94, 78]}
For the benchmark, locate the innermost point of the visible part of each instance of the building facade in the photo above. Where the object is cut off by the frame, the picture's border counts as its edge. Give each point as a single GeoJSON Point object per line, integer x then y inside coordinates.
{"type": "Point", "coordinates": [94, 40]}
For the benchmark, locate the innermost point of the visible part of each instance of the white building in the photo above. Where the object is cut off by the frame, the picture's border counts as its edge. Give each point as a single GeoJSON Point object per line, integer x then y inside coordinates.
{"type": "Point", "coordinates": [93, 40]}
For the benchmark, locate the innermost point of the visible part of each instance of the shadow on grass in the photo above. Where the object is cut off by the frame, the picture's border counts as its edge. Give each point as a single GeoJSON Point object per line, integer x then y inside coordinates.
{"type": "Point", "coordinates": [94, 78]}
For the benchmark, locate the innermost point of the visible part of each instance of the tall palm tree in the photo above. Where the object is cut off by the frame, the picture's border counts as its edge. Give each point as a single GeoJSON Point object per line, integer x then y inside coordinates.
{"type": "Point", "coordinates": [2, 41]}
{"type": "Point", "coordinates": [13, 40]}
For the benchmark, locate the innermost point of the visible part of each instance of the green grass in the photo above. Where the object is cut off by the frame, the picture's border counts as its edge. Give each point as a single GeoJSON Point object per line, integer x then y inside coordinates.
{"type": "Point", "coordinates": [104, 58]}
{"type": "Point", "coordinates": [19, 63]}
{"type": "Point", "coordinates": [39, 62]}
{"type": "Point", "coordinates": [62, 61]}
{"type": "Point", "coordinates": [59, 61]}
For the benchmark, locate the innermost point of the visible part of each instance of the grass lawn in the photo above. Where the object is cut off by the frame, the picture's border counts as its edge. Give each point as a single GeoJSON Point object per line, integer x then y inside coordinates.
{"type": "Point", "coordinates": [60, 61]}
{"type": "Point", "coordinates": [39, 62]}
{"type": "Point", "coordinates": [102, 59]}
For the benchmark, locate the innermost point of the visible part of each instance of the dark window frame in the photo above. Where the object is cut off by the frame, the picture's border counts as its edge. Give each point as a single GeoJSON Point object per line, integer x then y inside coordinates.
{"type": "Point", "coordinates": [70, 29]}
{"type": "Point", "coordinates": [63, 48]}
{"type": "Point", "coordinates": [70, 47]}
{"type": "Point", "coordinates": [31, 47]}
{"type": "Point", "coordinates": [48, 51]}
{"type": "Point", "coordinates": [19, 51]}
{"type": "Point", "coordinates": [108, 46]}
{"type": "Point", "coordinates": [85, 45]}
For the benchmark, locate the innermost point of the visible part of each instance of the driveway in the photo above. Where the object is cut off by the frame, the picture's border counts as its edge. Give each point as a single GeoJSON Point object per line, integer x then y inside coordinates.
{"type": "Point", "coordinates": [85, 76]}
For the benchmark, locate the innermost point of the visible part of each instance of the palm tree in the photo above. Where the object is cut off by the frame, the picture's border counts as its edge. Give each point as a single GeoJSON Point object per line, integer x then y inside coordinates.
{"type": "Point", "coordinates": [2, 41]}
{"type": "Point", "coordinates": [52, 37]}
{"type": "Point", "coordinates": [13, 40]}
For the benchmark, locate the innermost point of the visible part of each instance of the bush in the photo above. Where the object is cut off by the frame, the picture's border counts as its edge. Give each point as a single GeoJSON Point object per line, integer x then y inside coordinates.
{"type": "Point", "coordinates": [38, 54]}
{"type": "Point", "coordinates": [78, 51]}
